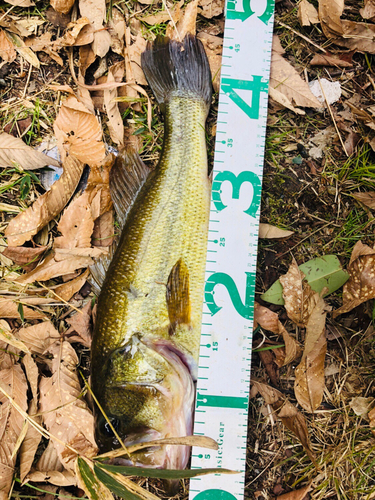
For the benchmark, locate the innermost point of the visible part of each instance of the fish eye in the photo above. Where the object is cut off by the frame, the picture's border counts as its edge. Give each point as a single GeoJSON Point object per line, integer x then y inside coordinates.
{"type": "Point", "coordinates": [106, 428]}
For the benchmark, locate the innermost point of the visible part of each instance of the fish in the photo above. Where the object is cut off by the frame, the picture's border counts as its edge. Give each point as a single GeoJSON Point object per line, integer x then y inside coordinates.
{"type": "Point", "coordinates": [146, 338]}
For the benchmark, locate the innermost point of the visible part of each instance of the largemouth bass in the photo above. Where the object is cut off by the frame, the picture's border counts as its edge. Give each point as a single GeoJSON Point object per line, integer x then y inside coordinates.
{"type": "Point", "coordinates": [147, 333]}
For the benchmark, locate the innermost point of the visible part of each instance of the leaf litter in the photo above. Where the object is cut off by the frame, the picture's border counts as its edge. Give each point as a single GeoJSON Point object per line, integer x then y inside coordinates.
{"type": "Point", "coordinates": [298, 330]}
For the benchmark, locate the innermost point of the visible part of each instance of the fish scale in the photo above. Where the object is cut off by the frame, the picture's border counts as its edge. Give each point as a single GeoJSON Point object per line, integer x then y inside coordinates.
{"type": "Point", "coordinates": [226, 338]}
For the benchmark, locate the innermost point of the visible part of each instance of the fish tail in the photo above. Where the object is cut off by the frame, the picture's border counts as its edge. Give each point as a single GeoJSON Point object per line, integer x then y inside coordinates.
{"type": "Point", "coordinates": [174, 68]}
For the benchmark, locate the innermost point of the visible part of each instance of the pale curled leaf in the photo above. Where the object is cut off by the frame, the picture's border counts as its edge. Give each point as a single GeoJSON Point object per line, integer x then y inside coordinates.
{"type": "Point", "coordinates": [270, 232]}
{"type": "Point", "coordinates": [367, 199]}
{"type": "Point", "coordinates": [115, 124]}
{"type": "Point", "coordinates": [299, 494]}
{"type": "Point", "coordinates": [330, 12]}
{"type": "Point", "coordinates": [79, 133]}
{"type": "Point", "coordinates": [24, 51]}
{"type": "Point", "coordinates": [9, 308]}
{"type": "Point", "coordinates": [39, 337]}
{"type": "Point", "coordinates": [14, 151]}
{"type": "Point", "coordinates": [70, 288]}
{"type": "Point", "coordinates": [65, 414]}
{"type": "Point", "coordinates": [46, 207]}
{"type": "Point", "coordinates": [50, 469]}
{"type": "Point", "coordinates": [62, 6]}
{"type": "Point", "coordinates": [7, 336]}
{"type": "Point", "coordinates": [187, 23]}
{"type": "Point", "coordinates": [361, 284]}
{"type": "Point", "coordinates": [368, 11]}
{"type": "Point", "coordinates": [21, 3]}
{"type": "Point", "coordinates": [266, 318]}
{"type": "Point", "coordinates": [80, 323]}
{"type": "Point", "coordinates": [307, 13]}
{"type": "Point", "coordinates": [7, 52]}
{"type": "Point", "coordinates": [211, 8]}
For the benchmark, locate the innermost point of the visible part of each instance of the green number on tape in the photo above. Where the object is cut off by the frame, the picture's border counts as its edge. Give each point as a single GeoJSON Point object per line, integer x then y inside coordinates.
{"type": "Point", "coordinates": [245, 309]}
{"type": "Point", "coordinates": [237, 182]}
{"type": "Point", "coordinates": [232, 13]}
{"type": "Point", "coordinates": [256, 86]}
{"type": "Point", "coordinates": [214, 495]}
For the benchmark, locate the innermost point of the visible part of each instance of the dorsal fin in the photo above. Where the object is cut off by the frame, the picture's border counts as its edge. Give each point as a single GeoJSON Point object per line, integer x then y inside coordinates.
{"type": "Point", "coordinates": [178, 295]}
{"type": "Point", "coordinates": [127, 177]}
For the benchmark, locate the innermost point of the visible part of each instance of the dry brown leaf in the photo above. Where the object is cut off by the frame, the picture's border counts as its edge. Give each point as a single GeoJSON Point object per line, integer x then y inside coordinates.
{"type": "Point", "coordinates": [79, 133]}
{"type": "Point", "coordinates": [285, 79]}
{"type": "Point", "coordinates": [7, 337]}
{"type": "Point", "coordinates": [280, 99]}
{"type": "Point", "coordinates": [86, 58]}
{"type": "Point", "coordinates": [187, 23]}
{"type": "Point", "coordinates": [95, 11]}
{"type": "Point", "coordinates": [9, 309]}
{"type": "Point", "coordinates": [14, 150]}
{"type": "Point", "coordinates": [26, 257]}
{"type": "Point", "coordinates": [76, 224]}
{"type": "Point", "coordinates": [368, 10]}
{"type": "Point", "coordinates": [342, 60]}
{"type": "Point", "coordinates": [80, 323]}
{"type": "Point", "coordinates": [292, 349]}
{"type": "Point", "coordinates": [266, 318]}
{"type": "Point", "coordinates": [38, 338]}
{"type": "Point", "coordinates": [135, 50]}
{"type": "Point", "coordinates": [164, 16]}
{"type": "Point", "coordinates": [297, 294]}
{"type": "Point", "coordinates": [269, 231]}
{"type": "Point", "coordinates": [43, 43]}
{"type": "Point", "coordinates": [31, 442]}
{"type": "Point", "coordinates": [116, 28]}
{"type": "Point", "coordinates": [307, 14]}
{"type": "Point", "coordinates": [104, 231]}
{"type": "Point", "coordinates": [49, 468]}
{"type": "Point", "coordinates": [371, 416]}
{"type": "Point", "coordinates": [80, 32]}
{"type": "Point", "coordinates": [367, 199]}
{"type": "Point", "coordinates": [115, 124]}
{"type": "Point", "coordinates": [70, 288]}
{"type": "Point", "coordinates": [8, 355]}
{"type": "Point", "coordinates": [13, 382]}
{"type": "Point", "coordinates": [46, 207]}
{"type": "Point", "coordinates": [309, 374]}
{"type": "Point", "coordinates": [21, 3]}
{"type": "Point", "coordinates": [330, 12]}
{"type": "Point", "coordinates": [361, 284]}
{"type": "Point", "coordinates": [288, 413]}
{"type": "Point", "coordinates": [24, 51]}
{"type": "Point", "coordinates": [52, 267]}
{"type": "Point", "coordinates": [357, 36]}
{"type": "Point", "coordinates": [211, 8]}
{"type": "Point", "coordinates": [62, 6]}
{"type": "Point", "coordinates": [7, 51]}
{"type": "Point", "coordinates": [213, 45]}
{"type": "Point", "coordinates": [296, 494]}
{"type": "Point", "coordinates": [65, 413]}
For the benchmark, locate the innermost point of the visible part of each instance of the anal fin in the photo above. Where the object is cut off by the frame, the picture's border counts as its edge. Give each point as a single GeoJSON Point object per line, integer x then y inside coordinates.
{"type": "Point", "coordinates": [178, 296]}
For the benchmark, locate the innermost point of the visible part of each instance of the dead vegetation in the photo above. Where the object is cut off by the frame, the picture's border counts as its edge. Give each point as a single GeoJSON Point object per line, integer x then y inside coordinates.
{"type": "Point", "coordinates": [70, 78]}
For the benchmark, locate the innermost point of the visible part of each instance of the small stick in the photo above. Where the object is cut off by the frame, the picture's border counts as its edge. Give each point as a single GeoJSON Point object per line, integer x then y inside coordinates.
{"type": "Point", "coordinates": [333, 119]}
{"type": "Point", "coordinates": [302, 36]}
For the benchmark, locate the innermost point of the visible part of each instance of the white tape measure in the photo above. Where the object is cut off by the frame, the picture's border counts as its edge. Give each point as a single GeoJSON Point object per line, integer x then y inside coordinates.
{"type": "Point", "coordinates": [225, 355]}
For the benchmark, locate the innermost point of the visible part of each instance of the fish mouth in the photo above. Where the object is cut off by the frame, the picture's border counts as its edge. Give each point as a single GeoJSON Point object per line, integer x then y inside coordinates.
{"type": "Point", "coordinates": [154, 401]}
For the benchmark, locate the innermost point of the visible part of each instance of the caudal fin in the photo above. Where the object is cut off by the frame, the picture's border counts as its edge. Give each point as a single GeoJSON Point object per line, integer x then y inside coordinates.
{"type": "Point", "coordinates": [175, 68]}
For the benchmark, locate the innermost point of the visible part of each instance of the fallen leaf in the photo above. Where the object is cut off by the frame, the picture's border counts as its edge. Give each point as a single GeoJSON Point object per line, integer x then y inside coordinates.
{"type": "Point", "coordinates": [285, 79]}
{"type": "Point", "coordinates": [26, 224]}
{"type": "Point", "coordinates": [277, 97]}
{"type": "Point", "coordinates": [309, 375]}
{"type": "Point", "coordinates": [213, 46]}
{"type": "Point", "coordinates": [80, 32]}
{"type": "Point", "coordinates": [211, 8]}
{"type": "Point", "coordinates": [187, 23]}
{"type": "Point", "coordinates": [342, 60]}
{"type": "Point", "coordinates": [38, 338]}
{"type": "Point", "coordinates": [70, 288]}
{"type": "Point", "coordinates": [135, 50]}
{"type": "Point", "coordinates": [27, 257]}
{"type": "Point", "coordinates": [57, 18]}
{"type": "Point", "coordinates": [266, 318]}
{"type": "Point", "coordinates": [361, 406]}
{"type": "Point", "coordinates": [307, 14]}
{"type": "Point", "coordinates": [50, 469]}
{"type": "Point", "coordinates": [361, 284]}
{"type": "Point", "coordinates": [268, 360]}
{"type": "Point", "coordinates": [268, 231]}
{"type": "Point", "coordinates": [62, 6]}
{"type": "Point", "coordinates": [368, 10]}
{"type": "Point", "coordinates": [65, 413]}
{"type": "Point", "coordinates": [104, 230]}
{"type": "Point", "coordinates": [297, 295]}
{"type": "Point", "coordinates": [116, 28]}
{"type": "Point", "coordinates": [18, 127]}
{"type": "Point", "coordinates": [322, 272]}
{"type": "Point", "coordinates": [371, 416]}
{"type": "Point", "coordinates": [86, 58]}
{"type": "Point", "coordinates": [7, 51]}
{"type": "Point", "coordinates": [9, 308]}
{"type": "Point", "coordinates": [164, 16]}
{"type": "Point", "coordinates": [14, 151]}
{"type": "Point", "coordinates": [21, 3]}
{"type": "Point", "coordinates": [43, 43]}
{"type": "Point", "coordinates": [288, 413]}
{"type": "Point", "coordinates": [24, 51]}
{"type": "Point", "coordinates": [52, 267]}
{"type": "Point", "coordinates": [79, 133]}
{"type": "Point", "coordinates": [95, 11]}
{"type": "Point", "coordinates": [80, 323]}
{"type": "Point", "coordinates": [115, 124]}
{"type": "Point", "coordinates": [13, 382]}
{"type": "Point", "coordinates": [296, 494]}
{"type": "Point", "coordinates": [7, 337]}
{"type": "Point", "coordinates": [31, 442]}
{"type": "Point", "coordinates": [292, 349]}
{"type": "Point", "coordinates": [357, 36]}
{"type": "Point", "coordinates": [367, 199]}
{"type": "Point", "coordinates": [330, 12]}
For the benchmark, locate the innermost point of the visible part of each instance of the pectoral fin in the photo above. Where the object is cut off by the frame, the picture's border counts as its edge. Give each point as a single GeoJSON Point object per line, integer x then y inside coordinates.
{"type": "Point", "coordinates": [178, 295]}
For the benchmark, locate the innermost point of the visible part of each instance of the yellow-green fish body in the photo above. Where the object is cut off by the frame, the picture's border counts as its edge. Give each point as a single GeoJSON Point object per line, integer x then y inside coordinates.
{"type": "Point", "coordinates": [147, 332]}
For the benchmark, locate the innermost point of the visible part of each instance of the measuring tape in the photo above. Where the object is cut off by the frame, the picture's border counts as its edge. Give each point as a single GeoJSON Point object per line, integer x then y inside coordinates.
{"type": "Point", "coordinates": [225, 354]}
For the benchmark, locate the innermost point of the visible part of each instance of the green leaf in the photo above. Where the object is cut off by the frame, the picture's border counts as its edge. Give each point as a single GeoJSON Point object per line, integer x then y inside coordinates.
{"type": "Point", "coordinates": [321, 272]}
{"type": "Point", "coordinates": [116, 488]}
{"type": "Point", "coordinates": [161, 473]}
{"type": "Point", "coordinates": [89, 479]}
{"type": "Point", "coordinates": [20, 312]}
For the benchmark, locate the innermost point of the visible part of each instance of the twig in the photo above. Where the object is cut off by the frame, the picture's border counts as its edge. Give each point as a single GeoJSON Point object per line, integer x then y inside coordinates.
{"type": "Point", "coordinates": [27, 82]}
{"type": "Point", "coordinates": [302, 36]}
{"type": "Point", "coordinates": [60, 298]}
{"type": "Point", "coordinates": [172, 20]}
{"type": "Point", "coordinates": [333, 118]}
